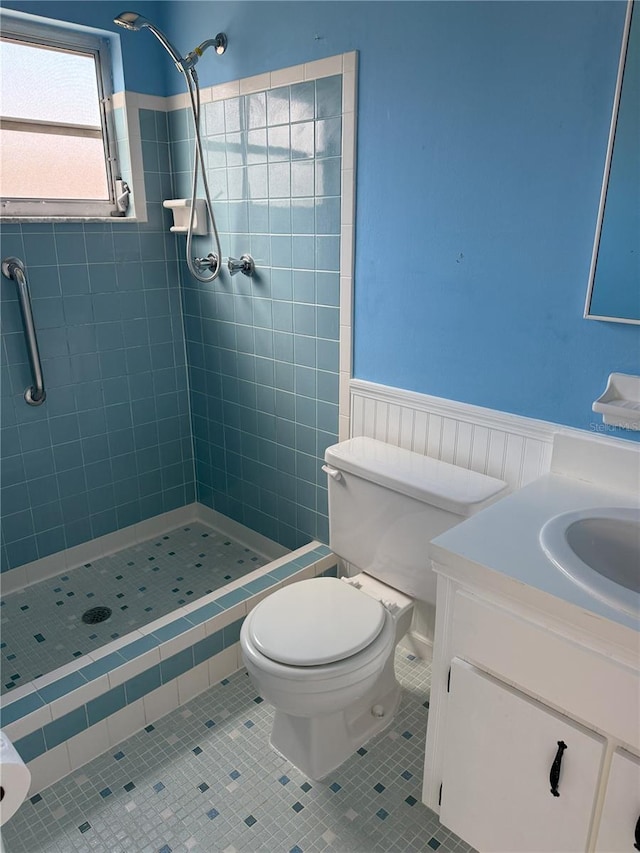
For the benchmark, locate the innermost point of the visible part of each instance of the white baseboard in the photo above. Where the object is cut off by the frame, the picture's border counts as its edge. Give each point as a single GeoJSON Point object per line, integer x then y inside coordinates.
{"type": "Point", "coordinates": [249, 538]}
{"type": "Point", "coordinates": [87, 552]}
{"type": "Point", "coordinates": [418, 645]}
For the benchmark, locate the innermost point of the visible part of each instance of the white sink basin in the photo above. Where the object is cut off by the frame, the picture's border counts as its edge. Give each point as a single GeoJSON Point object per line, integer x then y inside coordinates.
{"type": "Point", "coordinates": [599, 549]}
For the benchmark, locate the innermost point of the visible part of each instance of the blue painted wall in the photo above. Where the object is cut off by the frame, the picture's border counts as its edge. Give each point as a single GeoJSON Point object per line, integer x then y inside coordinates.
{"type": "Point", "coordinates": [482, 131]}
{"type": "Point", "coordinates": [482, 135]}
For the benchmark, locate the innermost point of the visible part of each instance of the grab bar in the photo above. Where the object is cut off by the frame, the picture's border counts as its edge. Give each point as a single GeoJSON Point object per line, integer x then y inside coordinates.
{"type": "Point", "coordinates": [13, 268]}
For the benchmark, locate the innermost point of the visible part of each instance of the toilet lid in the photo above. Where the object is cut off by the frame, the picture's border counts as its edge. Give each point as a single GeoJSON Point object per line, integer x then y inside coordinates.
{"type": "Point", "coordinates": [315, 622]}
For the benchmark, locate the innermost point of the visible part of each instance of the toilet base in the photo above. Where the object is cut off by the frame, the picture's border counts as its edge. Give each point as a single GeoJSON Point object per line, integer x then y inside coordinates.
{"type": "Point", "coordinates": [319, 745]}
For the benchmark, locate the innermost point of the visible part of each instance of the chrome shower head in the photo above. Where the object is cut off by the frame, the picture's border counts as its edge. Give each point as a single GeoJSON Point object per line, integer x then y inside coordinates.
{"type": "Point", "coordinates": [130, 21]}
{"type": "Point", "coordinates": [134, 22]}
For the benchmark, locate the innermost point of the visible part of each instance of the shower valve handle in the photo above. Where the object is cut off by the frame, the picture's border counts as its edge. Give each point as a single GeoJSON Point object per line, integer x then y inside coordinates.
{"type": "Point", "coordinates": [246, 265]}
{"type": "Point", "coordinates": [211, 262]}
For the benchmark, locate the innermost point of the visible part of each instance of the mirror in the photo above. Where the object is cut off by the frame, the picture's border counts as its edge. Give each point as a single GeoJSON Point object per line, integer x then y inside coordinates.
{"type": "Point", "coordinates": [614, 280]}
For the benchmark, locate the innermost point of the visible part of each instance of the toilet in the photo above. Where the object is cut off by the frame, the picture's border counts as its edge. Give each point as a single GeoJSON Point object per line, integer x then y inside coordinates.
{"type": "Point", "coordinates": [321, 651]}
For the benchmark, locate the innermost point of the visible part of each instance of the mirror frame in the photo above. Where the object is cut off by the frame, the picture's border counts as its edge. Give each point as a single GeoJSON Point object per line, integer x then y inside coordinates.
{"type": "Point", "coordinates": [607, 170]}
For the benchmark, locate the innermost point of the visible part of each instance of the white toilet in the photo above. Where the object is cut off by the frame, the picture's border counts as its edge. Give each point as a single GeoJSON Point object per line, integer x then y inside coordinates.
{"type": "Point", "coordinates": [321, 651]}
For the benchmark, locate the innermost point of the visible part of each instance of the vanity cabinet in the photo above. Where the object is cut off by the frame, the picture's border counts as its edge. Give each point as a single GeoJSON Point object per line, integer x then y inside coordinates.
{"type": "Point", "coordinates": [620, 822]}
{"type": "Point", "coordinates": [500, 748]}
{"type": "Point", "coordinates": [511, 683]}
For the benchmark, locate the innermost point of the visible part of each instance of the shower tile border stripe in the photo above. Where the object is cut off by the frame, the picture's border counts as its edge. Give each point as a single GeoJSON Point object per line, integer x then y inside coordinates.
{"type": "Point", "coordinates": [47, 722]}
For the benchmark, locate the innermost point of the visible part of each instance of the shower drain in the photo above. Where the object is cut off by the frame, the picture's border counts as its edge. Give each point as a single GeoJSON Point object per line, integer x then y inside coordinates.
{"type": "Point", "coordinates": [96, 614]}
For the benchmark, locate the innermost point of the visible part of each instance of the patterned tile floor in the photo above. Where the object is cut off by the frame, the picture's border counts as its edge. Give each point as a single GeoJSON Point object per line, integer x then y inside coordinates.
{"type": "Point", "coordinates": [42, 626]}
{"type": "Point", "coordinates": [204, 778]}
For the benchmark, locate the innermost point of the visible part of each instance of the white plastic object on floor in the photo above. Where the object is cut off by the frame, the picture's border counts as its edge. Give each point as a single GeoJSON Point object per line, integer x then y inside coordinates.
{"type": "Point", "coordinates": [15, 779]}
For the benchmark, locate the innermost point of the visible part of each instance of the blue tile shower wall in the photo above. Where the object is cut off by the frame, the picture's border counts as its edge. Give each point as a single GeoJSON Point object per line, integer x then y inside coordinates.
{"type": "Point", "coordinates": [263, 352]}
{"type": "Point", "coordinates": [112, 443]}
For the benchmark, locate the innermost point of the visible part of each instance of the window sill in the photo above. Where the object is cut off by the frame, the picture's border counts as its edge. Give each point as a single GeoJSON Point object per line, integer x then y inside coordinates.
{"type": "Point", "coordinates": [66, 219]}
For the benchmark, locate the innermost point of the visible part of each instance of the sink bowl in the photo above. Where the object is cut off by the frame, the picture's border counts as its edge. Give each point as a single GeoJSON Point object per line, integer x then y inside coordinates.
{"type": "Point", "coordinates": [599, 549]}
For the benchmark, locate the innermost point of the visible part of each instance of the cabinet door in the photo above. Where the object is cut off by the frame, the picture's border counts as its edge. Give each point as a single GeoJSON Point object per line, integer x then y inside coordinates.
{"type": "Point", "coordinates": [621, 813]}
{"type": "Point", "coordinates": [500, 747]}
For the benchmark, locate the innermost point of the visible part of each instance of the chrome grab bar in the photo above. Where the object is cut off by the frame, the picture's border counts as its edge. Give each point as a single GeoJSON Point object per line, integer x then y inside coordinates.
{"type": "Point", "coordinates": [13, 268]}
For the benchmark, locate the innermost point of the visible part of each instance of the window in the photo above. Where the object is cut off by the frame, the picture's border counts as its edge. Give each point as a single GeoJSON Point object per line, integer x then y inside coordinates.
{"type": "Point", "coordinates": [57, 151]}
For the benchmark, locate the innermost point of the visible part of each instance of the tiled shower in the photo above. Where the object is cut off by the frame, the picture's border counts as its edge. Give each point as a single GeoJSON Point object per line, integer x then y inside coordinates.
{"type": "Point", "coordinates": [162, 391]}
{"type": "Point", "coordinates": [175, 403]}
{"type": "Point", "coordinates": [112, 443]}
{"type": "Point", "coordinates": [262, 353]}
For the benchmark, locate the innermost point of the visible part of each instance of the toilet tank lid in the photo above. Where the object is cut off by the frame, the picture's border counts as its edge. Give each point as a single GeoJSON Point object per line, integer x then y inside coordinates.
{"type": "Point", "coordinates": [449, 487]}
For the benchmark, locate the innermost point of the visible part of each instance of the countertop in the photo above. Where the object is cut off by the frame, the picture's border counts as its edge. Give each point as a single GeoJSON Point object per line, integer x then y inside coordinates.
{"type": "Point", "coordinates": [504, 539]}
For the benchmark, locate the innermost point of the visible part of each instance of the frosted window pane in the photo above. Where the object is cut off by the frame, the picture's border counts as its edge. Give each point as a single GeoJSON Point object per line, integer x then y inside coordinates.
{"type": "Point", "coordinates": [46, 166]}
{"type": "Point", "coordinates": [48, 85]}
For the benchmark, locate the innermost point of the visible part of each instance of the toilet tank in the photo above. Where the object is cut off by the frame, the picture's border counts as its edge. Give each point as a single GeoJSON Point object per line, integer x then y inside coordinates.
{"type": "Point", "coordinates": [386, 504]}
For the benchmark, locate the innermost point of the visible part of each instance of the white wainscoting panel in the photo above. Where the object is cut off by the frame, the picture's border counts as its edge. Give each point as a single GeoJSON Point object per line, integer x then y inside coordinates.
{"type": "Point", "coordinates": [506, 446]}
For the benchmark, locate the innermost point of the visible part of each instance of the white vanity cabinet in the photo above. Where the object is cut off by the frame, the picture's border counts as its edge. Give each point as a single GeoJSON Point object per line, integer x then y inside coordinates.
{"type": "Point", "coordinates": [500, 748]}
{"type": "Point", "coordinates": [620, 822]}
{"type": "Point", "coordinates": [509, 683]}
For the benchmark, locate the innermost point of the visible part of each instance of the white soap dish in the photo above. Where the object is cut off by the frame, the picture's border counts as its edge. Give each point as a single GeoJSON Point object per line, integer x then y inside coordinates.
{"type": "Point", "coordinates": [620, 403]}
{"type": "Point", "coordinates": [181, 208]}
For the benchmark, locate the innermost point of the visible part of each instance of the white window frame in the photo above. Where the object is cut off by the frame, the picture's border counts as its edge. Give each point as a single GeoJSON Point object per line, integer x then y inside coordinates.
{"type": "Point", "coordinates": [59, 37]}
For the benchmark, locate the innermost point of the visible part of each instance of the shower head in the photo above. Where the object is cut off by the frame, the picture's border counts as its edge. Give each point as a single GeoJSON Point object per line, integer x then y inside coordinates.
{"type": "Point", "coordinates": [134, 22]}
{"type": "Point", "coordinates": [130, 21]}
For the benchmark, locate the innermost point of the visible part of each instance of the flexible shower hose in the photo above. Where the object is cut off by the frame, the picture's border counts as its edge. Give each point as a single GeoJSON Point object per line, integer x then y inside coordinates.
{"type": "Point", "coordinates": [191, 79]}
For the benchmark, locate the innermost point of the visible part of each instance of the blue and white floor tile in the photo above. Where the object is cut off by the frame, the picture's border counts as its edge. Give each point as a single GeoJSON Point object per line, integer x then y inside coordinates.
{"type": "Point", "coordinates": [204, 778]}
{"type": "Point", "coordinates": [138, 584]}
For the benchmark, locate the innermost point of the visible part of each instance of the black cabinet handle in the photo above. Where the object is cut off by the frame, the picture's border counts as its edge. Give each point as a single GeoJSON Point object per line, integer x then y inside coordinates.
{"type": "Point", "coordinates": [554, 776]}
{"type": "Point", "coordinates": [637, 834]}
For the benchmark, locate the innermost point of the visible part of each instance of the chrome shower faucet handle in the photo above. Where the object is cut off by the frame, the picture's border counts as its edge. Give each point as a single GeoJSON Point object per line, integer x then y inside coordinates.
{"type": "Point", "coordinates": [245, 265]}
{"type": "Point", "coordinates": [211, 262]}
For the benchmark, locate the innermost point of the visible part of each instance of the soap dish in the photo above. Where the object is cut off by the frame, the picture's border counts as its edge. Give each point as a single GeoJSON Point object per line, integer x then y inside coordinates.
{"type": "Point", "coordinates": [620, 403]}
{"type": "Point", "coordinates": [181, 209]}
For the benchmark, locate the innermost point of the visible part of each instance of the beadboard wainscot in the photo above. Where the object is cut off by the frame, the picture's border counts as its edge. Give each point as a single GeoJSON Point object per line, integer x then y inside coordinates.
{"type": "Point", "coordinates": [509, 447]}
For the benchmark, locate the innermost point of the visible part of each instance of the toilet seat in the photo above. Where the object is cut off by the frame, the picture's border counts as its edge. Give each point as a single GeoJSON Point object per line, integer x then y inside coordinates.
{"type": "Point", "coordinates": [317, 681]}
{"type": "Point", "coordinates": [314, 623]}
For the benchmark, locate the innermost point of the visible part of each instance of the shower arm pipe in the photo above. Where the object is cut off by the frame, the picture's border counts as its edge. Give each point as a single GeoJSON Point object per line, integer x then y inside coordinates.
{"type": "Point", "coordinates": [219, 42]}
{"type": "Point", "coordinates": [14, 269]}
{"type": "Point", "coordinates": [182, 63]}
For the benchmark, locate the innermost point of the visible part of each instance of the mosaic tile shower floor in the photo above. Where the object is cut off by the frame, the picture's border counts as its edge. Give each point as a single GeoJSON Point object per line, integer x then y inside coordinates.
{"type": "Point", "coordinates": [42, 626]}
{"type": "Point", "coordinates": [203, 778]}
